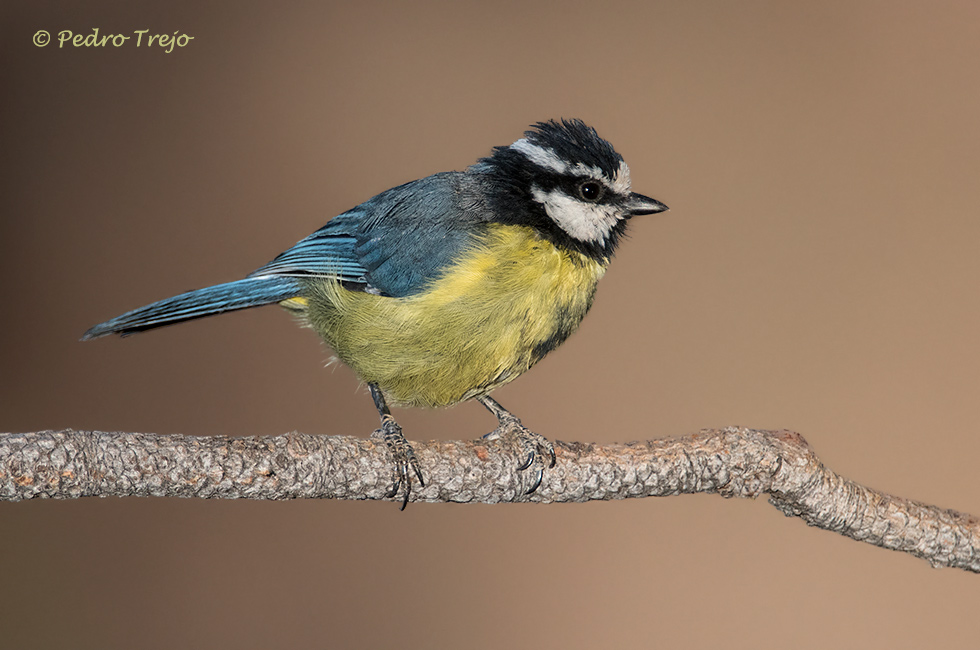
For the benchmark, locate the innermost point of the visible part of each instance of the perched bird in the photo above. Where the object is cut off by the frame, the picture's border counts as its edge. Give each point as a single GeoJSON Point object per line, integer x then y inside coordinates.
{"type": "Point", "coordinates": [445, 288]}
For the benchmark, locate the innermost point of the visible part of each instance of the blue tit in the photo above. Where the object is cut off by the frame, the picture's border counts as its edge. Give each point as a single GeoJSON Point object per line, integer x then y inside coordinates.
{"type": "Point", "coordinates": [445, 288]}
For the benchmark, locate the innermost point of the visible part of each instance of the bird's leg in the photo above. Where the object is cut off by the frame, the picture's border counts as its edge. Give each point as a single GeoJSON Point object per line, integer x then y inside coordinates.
{"type": "Point", "coordinates": [400, 448]}
{"type": "Point", "coordinates": [532, 443]}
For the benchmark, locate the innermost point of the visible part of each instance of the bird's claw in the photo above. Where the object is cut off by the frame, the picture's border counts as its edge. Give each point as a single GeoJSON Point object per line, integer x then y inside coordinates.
{"type": "Point", "coordinates": [403, 456]}
{"type": "Point", "coordinates": [527, 462]}
{"type": "Point", "coordinates": [537, 481]}
{"type": "Point", "coordinates": [531, 443]}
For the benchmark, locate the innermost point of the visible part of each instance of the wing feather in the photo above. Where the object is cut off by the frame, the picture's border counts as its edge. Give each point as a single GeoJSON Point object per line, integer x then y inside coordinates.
{"type": "Point", "coordinates": [392, 244]}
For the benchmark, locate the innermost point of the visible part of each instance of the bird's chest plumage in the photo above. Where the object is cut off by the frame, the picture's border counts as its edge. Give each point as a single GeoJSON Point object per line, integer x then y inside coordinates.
{"type": "Point", "coordinates": [505, 303]}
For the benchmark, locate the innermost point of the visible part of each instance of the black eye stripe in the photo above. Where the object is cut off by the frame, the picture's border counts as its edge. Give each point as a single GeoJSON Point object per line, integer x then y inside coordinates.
{"type": "Point", "coordinates": [547, 180]}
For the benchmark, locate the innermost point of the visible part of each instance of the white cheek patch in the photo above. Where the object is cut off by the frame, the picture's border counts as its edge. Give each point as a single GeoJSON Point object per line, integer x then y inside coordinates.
{"type": "Point", "coordinates": [588, 222]}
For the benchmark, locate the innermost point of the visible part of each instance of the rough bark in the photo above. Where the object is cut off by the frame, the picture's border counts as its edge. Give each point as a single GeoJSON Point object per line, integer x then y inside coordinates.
{"type": "Point", "coordinates": [733, 462]}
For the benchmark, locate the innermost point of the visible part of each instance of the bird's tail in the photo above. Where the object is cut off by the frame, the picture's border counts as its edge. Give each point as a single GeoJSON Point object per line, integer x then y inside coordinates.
{"type": "Point", "coordinates": [250, 292]}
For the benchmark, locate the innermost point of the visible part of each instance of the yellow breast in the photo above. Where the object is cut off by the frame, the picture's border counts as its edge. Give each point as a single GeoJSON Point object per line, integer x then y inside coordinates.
{"type": "Point", "coordinates": [506, 303]}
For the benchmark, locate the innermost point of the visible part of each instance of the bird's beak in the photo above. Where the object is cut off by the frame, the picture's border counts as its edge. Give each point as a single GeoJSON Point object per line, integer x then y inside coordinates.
{"type": "Point", "coordinates": [639, 204]}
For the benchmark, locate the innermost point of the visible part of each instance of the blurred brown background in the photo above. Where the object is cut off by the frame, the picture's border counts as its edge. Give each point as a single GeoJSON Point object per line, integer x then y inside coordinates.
{"type": "Point", "coordinates": [818, 271]}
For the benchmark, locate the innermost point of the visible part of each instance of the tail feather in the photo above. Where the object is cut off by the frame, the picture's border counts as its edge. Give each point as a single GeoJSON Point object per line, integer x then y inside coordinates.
{"type": "Point", "coordinates": [250, 292]}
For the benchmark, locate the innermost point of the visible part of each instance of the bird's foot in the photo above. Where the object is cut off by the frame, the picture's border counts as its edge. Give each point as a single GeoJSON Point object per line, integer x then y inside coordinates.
{"type": "Point", "coordinates": [534, 447]}
{"type": "Point", "coordinates": [403, 456]}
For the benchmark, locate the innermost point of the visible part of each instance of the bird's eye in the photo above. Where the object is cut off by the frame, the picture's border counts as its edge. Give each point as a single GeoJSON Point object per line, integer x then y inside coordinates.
{"type": "Point", "coordinates": [590, 191]}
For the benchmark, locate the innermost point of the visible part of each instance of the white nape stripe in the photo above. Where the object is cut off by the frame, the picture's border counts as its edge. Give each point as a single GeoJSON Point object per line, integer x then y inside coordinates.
{"type": "Point", "coordinates": [540, 156]}
{"type": "Point", "coordinates": [548, 159]}
{"type": "Point", "coordinates": [588, 222]}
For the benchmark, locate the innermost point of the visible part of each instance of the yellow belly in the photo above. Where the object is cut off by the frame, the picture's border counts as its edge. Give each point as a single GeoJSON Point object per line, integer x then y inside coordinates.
{"type": "Point", "coordinates": [486, 320]}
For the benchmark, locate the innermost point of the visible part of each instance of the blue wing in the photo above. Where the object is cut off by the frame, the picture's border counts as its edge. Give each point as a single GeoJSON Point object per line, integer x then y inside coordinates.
{"type": "Point", "coordinates": [392, 244]}
{"type": "Point", "coordinates": [328, 252]}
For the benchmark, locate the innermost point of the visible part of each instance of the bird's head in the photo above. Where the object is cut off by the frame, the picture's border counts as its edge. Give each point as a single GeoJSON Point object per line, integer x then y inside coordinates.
{"type": "Point", "coordinates": [567, 182]}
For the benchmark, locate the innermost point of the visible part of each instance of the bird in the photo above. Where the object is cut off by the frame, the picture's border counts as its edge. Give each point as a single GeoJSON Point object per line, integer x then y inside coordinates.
{"type": "Point", "coordinates": [443, 289]}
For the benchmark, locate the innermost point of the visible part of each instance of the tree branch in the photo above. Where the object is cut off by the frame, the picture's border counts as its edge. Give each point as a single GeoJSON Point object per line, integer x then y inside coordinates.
{"type": "Point", "coordinates": [733, 462]}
